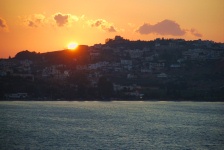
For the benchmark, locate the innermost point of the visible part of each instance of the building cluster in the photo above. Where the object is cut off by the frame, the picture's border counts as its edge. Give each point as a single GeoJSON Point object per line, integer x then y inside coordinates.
{"type": "Point", "coordinates": [131, 66]}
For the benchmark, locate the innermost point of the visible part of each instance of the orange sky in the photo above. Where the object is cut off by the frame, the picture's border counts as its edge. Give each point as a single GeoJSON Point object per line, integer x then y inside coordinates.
{"type": "Point", "coordinates": [48, 25]}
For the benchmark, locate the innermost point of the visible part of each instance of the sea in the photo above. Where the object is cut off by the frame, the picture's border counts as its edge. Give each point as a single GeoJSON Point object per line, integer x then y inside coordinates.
{"type": "Point", "coordinates": [114, 125]}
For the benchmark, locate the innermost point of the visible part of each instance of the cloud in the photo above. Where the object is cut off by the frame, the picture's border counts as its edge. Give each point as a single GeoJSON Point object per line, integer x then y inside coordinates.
{"type": "Point", "coordinates": [195, 33]}
{"type": "Point", "coordinates": [3, 25]}
{"type": "Point", "coordinates": [35, 20]}
{"type": "Point", "coordinates": [102, 24]}
{"type": "Point", "coordinates": [165, 27]}
{"type": "Point", "coordinates": [64, 19]}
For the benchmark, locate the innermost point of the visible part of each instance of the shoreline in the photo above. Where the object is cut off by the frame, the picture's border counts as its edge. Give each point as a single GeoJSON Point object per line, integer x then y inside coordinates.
{"type": "Point", "coordinates": [108, 100]}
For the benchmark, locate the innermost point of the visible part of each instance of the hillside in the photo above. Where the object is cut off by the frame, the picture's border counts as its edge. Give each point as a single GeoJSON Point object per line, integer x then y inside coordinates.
{"type": "Point", "coordinates": [162, 69]}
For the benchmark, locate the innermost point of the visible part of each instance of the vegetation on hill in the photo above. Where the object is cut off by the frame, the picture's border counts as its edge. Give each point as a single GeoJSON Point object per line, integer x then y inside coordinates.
{"type": "Point", "coordinates": [163, 69]}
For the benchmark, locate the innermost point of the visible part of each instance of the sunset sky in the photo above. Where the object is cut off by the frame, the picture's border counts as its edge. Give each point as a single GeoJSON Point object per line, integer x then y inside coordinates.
{"type": "Point", "coordinates": [48, 25]}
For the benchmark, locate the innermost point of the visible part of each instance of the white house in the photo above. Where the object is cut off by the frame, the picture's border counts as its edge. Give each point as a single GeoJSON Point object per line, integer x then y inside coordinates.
{"type": "Point", "coordinates": [162, 75]}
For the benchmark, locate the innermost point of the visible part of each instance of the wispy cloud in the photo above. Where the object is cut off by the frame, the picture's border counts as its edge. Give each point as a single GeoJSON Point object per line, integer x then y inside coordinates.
{"type": "Point", "coordinates": [64, 19]}
{"type": "Point", "coordinates": [165, 27]}
{"type": "Point", "coordinates": [35, 20]}
{"type": "Point", "coordinates": [102, 24]}
{"type": "Point", "coordinates": [3, 25]}
{"type": "Point", "coordinates": [195, 33]}
{"type": "Point", "coordinates": [38, 20]}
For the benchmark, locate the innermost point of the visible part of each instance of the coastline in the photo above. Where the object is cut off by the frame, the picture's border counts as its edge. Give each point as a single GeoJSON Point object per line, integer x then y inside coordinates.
{"type": "Point", "coordinates": [112, 100]}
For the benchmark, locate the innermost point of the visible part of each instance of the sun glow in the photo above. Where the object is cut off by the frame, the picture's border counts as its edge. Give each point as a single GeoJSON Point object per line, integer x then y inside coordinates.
{"type": "Point", "coordinates": [72, 45]}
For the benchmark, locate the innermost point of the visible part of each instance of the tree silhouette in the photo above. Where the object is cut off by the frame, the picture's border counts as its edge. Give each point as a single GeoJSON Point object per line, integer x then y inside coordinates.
{"type": "Point", "coordinates": [105, 88]}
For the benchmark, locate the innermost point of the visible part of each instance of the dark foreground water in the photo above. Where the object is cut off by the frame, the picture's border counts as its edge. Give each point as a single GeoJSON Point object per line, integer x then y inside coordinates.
{"type": "Point", "coordinates": [111, 125]}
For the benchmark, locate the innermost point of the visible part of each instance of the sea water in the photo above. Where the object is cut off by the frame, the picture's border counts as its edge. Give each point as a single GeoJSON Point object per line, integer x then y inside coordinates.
{"type": "Point", "coordinates": [111, 125]}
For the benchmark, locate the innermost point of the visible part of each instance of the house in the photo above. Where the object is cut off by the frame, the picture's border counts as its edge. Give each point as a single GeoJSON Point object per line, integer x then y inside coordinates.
{"type": "Point", "coordinates": [135, 94]}
{"type": "Point", "coordinates": [126, 64]}
{"type": "Point", "coordinates": [135, 53]}
{"type": "Point", "coordinates": [49, 71]}
{"type": "Point", "coordinates": [156, 65]}
{"type": "Point", "coordinates": [146, 70]}
{"type": "Point", "coordinates": [81, 67]}
{"type": "Point", "coordinates": [131, 76]}
{"type": "Point", "coordinates": [25, 76]}
{"type": "Point", "coordinates": [97, 65]}
{"type": "Point", "coordinates": [150, 58]}
{"type": "Point", "coordinates": [94, 55]}
{"type": "Point", "coordinates": [55, 72]}
{"type": "Point", "coordinates": [118, 87]}
{"type": "Point", "coordinates": [16, 95]}
{"type": "Point", "coordinates": [196, 54]}
{"type": "Point", "coordinates": [175, 66]}
{"type": "Point", "coordinates": [162, 75]}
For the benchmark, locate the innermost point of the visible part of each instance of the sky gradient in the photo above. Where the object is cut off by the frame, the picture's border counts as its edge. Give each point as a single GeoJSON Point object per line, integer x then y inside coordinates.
{"type": "Point", "coordinates": [41, 26]}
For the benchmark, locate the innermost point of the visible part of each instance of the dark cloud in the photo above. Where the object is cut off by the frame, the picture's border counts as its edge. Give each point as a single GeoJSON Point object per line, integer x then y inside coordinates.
{"type": "Point", "coordinates": [165, 27]}
{"type": "Point", "coordinates": [3, 24]}
{"type": "Point", "coordinates": [64, 19]}
{"type": "Point", "coordinates": [111, 29]}
{"type": "Point", "coordinates": [195, 33]}
{"type": "Point", "coordinates": [31, 24]}
{"type": "Point", "coordinates": [97, 23]}
{"type": "Point", "coordinates": [61, 19]}
{"type": "Point", "coordinates": [103, 24]}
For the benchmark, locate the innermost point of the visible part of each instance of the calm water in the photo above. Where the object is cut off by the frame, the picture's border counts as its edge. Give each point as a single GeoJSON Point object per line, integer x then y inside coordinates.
{"type": "Point", "coordinates": [111, 125]}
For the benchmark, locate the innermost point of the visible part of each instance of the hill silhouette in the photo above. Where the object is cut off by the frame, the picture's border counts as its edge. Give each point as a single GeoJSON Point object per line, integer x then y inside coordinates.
{"type": "Point", "coordinates": [171, 69]}
{"type": "Point", "coordinates": [57, 57]}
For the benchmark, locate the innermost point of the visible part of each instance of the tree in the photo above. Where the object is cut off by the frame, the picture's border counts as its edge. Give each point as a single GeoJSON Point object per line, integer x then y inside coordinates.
{"type": "Point", "coordinates": [26, 55]}
{"type": "Point", "coordinates": [105, 87]}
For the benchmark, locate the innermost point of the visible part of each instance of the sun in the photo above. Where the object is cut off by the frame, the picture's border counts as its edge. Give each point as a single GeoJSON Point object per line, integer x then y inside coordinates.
{"type": "Point", "coordinates": [73, 45]}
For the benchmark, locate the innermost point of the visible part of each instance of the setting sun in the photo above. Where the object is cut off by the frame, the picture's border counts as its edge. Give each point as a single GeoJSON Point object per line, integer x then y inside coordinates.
{"type": "Point", "coordinates": [72, 45]}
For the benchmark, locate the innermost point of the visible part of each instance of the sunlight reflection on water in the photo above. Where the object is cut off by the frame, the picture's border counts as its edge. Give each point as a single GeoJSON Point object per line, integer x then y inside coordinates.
{"type": "Point", "coordinates": [111, 125]}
